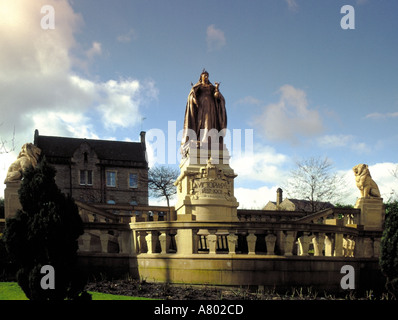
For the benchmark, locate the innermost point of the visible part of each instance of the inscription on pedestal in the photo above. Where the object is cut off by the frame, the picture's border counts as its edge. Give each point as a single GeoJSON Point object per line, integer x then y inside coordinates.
{"type": "Point", "coordinates": [211, 189]}
{"type": "Point", "coordinates": [211, 183]}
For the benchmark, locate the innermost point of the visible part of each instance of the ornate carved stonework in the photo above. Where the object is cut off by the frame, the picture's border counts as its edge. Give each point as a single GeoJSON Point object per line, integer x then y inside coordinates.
{"type": "Point", "coordinates": [212, 183]}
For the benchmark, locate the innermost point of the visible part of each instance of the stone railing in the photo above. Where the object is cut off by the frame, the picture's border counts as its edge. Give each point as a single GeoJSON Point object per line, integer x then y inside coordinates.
{"type": "Point", "coordinates": [124, 213]}
{"type": "Point", "coordinates": [348, 217]}
{"type": "Point", "coordinates": [100, 237]}
{"type": "Point", "coordinates": [245, 215]}
{"type": "Point", "coordinates": [154, 230]}
{"type": "Point", "coordinates": [254, 238]}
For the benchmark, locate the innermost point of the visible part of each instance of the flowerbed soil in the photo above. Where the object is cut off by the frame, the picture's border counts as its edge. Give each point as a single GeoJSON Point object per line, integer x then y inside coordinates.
{"type": "Point", "coordinates": [188, 292]}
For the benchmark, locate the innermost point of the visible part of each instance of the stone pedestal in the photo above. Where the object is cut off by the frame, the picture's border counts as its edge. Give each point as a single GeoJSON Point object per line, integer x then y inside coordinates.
{"type": "Point", "coordinates": [372, 213]}
{"type": "Point", "coordinates": [205, 187]}
{"type": "Point", "coordinates": [11, 199]}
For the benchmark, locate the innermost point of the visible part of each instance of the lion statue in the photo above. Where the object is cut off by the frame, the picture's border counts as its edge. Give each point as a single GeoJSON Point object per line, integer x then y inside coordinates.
{"type": "Point", "coordinates": [365, 183]}
{"type": "Point", "coordinates": [29, 155]}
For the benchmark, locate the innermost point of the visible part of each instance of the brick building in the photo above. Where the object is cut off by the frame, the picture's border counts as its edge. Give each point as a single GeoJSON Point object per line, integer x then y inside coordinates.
{"type": "Point", "coordinates": [98, 171]}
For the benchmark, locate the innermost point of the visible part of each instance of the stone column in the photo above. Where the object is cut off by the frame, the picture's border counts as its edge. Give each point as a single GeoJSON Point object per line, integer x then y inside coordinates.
{"type": "Point", "coordinates": [338, 245]}
{"type": "Point", "coordinates": [187, 241]}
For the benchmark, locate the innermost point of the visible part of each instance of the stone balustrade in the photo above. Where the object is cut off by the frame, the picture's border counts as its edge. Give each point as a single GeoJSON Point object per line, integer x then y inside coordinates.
{"type": "Point", "coordinates": [330, 233]}
{"type": "Point", "coordinates": [259, 238]}
{"type": "Point", "coordinates": [102, 237]}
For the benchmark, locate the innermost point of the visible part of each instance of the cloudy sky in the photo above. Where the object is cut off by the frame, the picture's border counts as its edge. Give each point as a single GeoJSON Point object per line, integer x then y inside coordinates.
{"type": "Point", "coordinates": [294, 80]}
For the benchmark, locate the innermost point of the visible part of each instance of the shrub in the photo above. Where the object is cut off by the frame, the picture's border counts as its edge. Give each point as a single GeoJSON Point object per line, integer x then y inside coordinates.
{"type": "Point", "coordinates": [45, 232]}
{"type": "Point", "coordinates": [389, 248]}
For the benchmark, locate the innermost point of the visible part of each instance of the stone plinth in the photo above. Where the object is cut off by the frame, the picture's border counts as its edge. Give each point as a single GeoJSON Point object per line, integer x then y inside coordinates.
{"type": "Point", "coordinates": [11, 199]}
{"type": "Point", "coordinates": [372, 213]}
{"type": "Point", "coordinates": [205, 187]}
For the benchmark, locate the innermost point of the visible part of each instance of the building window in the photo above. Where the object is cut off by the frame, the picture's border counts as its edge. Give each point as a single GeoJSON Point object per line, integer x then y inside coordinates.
{"type": "Point", "coordinates": [133, 180]}
{"type": "Point", "coordinates": [86, 177]}
{"type": "Point", "coordinates": [111, 178]}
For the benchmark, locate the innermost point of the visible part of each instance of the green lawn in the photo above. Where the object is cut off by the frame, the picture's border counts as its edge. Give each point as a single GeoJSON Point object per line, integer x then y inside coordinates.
{"type": "Point", "coordinates": [11, 291]}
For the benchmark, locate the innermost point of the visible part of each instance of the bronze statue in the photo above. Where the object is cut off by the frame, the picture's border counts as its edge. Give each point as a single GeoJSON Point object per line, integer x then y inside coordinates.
{"type": "Point", "coordinates": [205, 110]}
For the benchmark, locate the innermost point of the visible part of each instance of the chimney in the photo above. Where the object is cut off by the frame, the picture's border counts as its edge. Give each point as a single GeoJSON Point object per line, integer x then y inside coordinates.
{"type": "Point", "coordinates": [142, 135]}
{"type": "Point", "coordinates": [36, 138]}
{"type": "Point", "coordinates": [279, 196]}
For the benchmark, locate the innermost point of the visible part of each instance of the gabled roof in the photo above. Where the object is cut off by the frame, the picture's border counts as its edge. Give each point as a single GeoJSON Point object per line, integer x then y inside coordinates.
{"type": "Point", "coordinates": [306, 205]}
{"type": "Point", "coordinates": [62, 147]}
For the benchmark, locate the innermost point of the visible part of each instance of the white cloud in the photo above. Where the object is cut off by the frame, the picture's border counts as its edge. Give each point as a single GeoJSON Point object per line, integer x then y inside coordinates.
{"type": "Point", "coordinates": [343, 141]}
{"type": "Point", "coordinates": [215, 38]}
{"type": "Point", "coordinates": [254, 198]}
{"type": "Point", "coordinates": [377, 115]}
{"type": "Point", "coordinates": [382, 175]}
{"type": "Point", "coordinates": [39, 87]}
{"type": "Point", "coordinates": [94, 50]}
{"type": "Point", "coordinates": [249, 100]}
{"type": "Point", "coordinates": [127, 37]}
{"type": "Point", "coordinates": [264, 165]}
{"type": "Point", "coordinates": [292, 5]}
{"type": "Point", "coordinates": [290, 118]}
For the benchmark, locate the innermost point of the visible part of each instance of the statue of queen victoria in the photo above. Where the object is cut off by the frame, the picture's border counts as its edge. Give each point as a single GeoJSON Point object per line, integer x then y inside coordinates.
{"type": "Point", "coordinates": [205, 110]}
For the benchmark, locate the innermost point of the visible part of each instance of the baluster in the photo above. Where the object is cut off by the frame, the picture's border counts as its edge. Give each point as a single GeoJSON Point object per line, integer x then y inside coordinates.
{"type": "Point", "coordinates": [155, 216]}
{"type": "Point", "coordinates": [318, 242]}
{"type": "Point", "coordinates": [232, 242]}
{"type": "Point", "coordinates": [288, 243]}
{"type": "Point", "coordinates": [304, 244]}
{"type": "Point", "coordinates": [142, 245]}
{"type": "Point", "coordinates": [328, 245]}
{"type": "Point", "coordinates": [251, 242]}
{"type": "Point", "coordinates": [104, 238]}
{"type": "Point", "coordinates": [86, 237]}
{"type": "Point", "coordinates": [270, 240]}
{"type": "Point", "coordinates": [151, 240]}
{"type": "Point", "coordinates": [212, 241]}
{"type": "Point", "coordinates": [164, 239]}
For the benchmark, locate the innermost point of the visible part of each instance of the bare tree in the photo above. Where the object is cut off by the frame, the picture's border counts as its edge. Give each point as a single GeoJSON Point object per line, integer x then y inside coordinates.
{"type": "Point", "coordinates": [4, 144]}
{"type": "Point", "coordinates": [315, 181]}
{"type": "Point", "coordinates": [161, 182]}
{"type": "Point", "coordinates": [394, 173]}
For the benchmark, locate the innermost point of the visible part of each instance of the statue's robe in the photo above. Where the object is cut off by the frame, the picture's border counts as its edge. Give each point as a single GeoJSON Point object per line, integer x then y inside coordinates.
{"type": "Point", "coordinates": [208, 112]}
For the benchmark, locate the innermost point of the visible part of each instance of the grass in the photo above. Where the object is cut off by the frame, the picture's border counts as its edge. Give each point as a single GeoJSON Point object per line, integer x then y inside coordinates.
{"type": "Point", "coordinates": [12, 291]}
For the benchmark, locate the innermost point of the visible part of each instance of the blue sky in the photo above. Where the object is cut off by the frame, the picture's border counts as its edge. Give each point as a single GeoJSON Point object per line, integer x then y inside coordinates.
{"type": "Point", "coordinates": [288, 71]}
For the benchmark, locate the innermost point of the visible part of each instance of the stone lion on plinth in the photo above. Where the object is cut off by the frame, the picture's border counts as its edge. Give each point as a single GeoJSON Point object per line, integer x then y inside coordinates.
{"type": "Point", "coordinates": [365, 183]}
{"type": "Point", "coordinates": [29, 155]}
